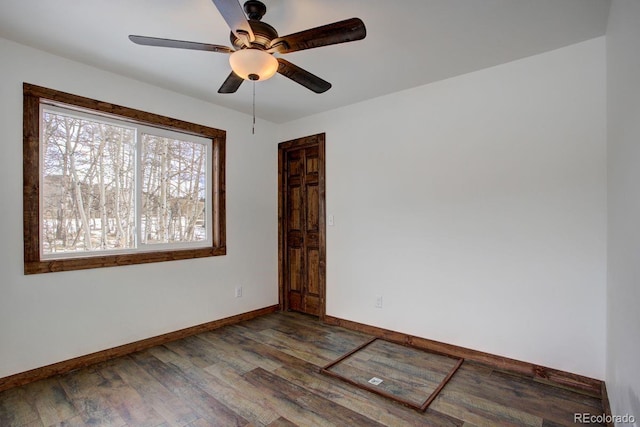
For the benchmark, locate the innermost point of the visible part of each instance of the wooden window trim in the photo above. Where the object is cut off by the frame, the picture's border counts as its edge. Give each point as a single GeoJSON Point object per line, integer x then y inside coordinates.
{"type": "Point", "coordinates": [33, 264]}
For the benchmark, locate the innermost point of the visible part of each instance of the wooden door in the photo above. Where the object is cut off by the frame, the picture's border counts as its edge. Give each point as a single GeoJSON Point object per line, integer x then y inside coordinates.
{"type": "Point", "coordinates": [302, 225]}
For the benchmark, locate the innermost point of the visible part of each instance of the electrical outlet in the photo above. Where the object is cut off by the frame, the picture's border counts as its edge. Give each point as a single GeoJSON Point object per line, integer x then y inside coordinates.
{"type": "Point", "coordinates": [238, 291]}
{"type": "Point", "coordinates": [379, 301]}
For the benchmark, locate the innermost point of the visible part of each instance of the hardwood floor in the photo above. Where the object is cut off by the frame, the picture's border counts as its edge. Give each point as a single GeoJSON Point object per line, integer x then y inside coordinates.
{"type": "Point", "coordinates": [265, 372]}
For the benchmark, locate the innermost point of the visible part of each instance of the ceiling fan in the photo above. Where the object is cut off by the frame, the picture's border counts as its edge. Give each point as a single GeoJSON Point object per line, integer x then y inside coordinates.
{"type": "Point", "coordinates": [254, 43]}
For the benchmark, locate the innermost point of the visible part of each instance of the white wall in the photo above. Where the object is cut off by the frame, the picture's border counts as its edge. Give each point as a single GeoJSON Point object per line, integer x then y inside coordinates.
{"type": "Point", "coordinates": [623, 292]}
{"type": "Point", "coordinates": [476, 207]}
{"type": "Point", "coordinates": [47, 318]}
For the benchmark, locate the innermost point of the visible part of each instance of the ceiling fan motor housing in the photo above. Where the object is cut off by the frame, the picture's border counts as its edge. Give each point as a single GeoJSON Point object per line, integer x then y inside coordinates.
{"type": "Point", "coordinates": [263, 33]}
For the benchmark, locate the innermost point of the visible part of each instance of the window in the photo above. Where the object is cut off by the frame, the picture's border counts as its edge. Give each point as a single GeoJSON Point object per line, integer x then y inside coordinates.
{"type": "Point", "coordinates": [106, 185]}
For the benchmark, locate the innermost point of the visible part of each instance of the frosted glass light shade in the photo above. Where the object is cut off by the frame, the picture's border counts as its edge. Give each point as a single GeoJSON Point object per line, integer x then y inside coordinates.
{"type": "Point", "coordinates": [248, 63]}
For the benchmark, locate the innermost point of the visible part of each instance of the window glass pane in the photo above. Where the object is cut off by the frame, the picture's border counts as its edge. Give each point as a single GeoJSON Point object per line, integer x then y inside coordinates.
{"type": "Point", "coordinates": [174, 190]}
{"type": "Point", "coordinates": [87, 183]}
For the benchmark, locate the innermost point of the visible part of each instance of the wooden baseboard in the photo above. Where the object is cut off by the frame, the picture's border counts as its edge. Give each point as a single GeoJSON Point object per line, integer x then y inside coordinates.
{"type": "Point", "coordinates": [584, 384]}
{"type": "Point", "coordinates": [101, 356]}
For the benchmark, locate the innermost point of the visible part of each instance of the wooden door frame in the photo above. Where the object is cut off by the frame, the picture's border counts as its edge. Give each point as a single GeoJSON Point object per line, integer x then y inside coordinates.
{"type": "Point", "coordinates": [283, 148]}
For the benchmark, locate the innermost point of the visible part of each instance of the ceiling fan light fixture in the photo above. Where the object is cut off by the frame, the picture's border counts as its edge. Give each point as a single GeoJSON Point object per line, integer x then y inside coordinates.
{"type": "Point", "coordinates": [253, 64]}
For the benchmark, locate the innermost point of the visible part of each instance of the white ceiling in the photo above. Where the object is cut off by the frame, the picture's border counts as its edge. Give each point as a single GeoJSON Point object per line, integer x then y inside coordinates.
{"type": "Point", "coordinates": [409, 43]}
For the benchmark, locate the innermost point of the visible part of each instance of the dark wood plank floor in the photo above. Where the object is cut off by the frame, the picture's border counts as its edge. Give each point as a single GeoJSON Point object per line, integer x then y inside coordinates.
{"type": "Point", "coordinates": [265, 372]}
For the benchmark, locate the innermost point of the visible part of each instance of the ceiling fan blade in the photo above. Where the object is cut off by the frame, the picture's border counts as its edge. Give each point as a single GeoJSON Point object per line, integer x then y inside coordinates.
{"type": "Point", "coordinates": [231, 84]}
{"type": "Point", "coordinates": [303, 77]}
{"type": "Point", "coordinates": [339, 32]}
{"type": "Point", "coordinates": [234, 16]}
{"type": "Point", "coordinates": [179, 44]}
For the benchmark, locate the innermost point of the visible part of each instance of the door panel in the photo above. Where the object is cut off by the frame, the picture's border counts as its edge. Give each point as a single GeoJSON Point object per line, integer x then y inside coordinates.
{"type": "Point", "coordinates": [295, 269]}
{"type": "Point", "coordinates": [313, 261]}
{"type": "Point", "coordinates": [312, 208]}
{"type": "Point", "coordinates": [295, 208]}
{"type": "Point", "coordinates": [302, 252]}
{"type": "Point", "coordinates": [312, 163]}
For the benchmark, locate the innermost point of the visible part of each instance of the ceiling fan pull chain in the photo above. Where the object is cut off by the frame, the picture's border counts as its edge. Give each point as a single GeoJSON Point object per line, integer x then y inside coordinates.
{"type": "Point", "coordinates": [253, 129]}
